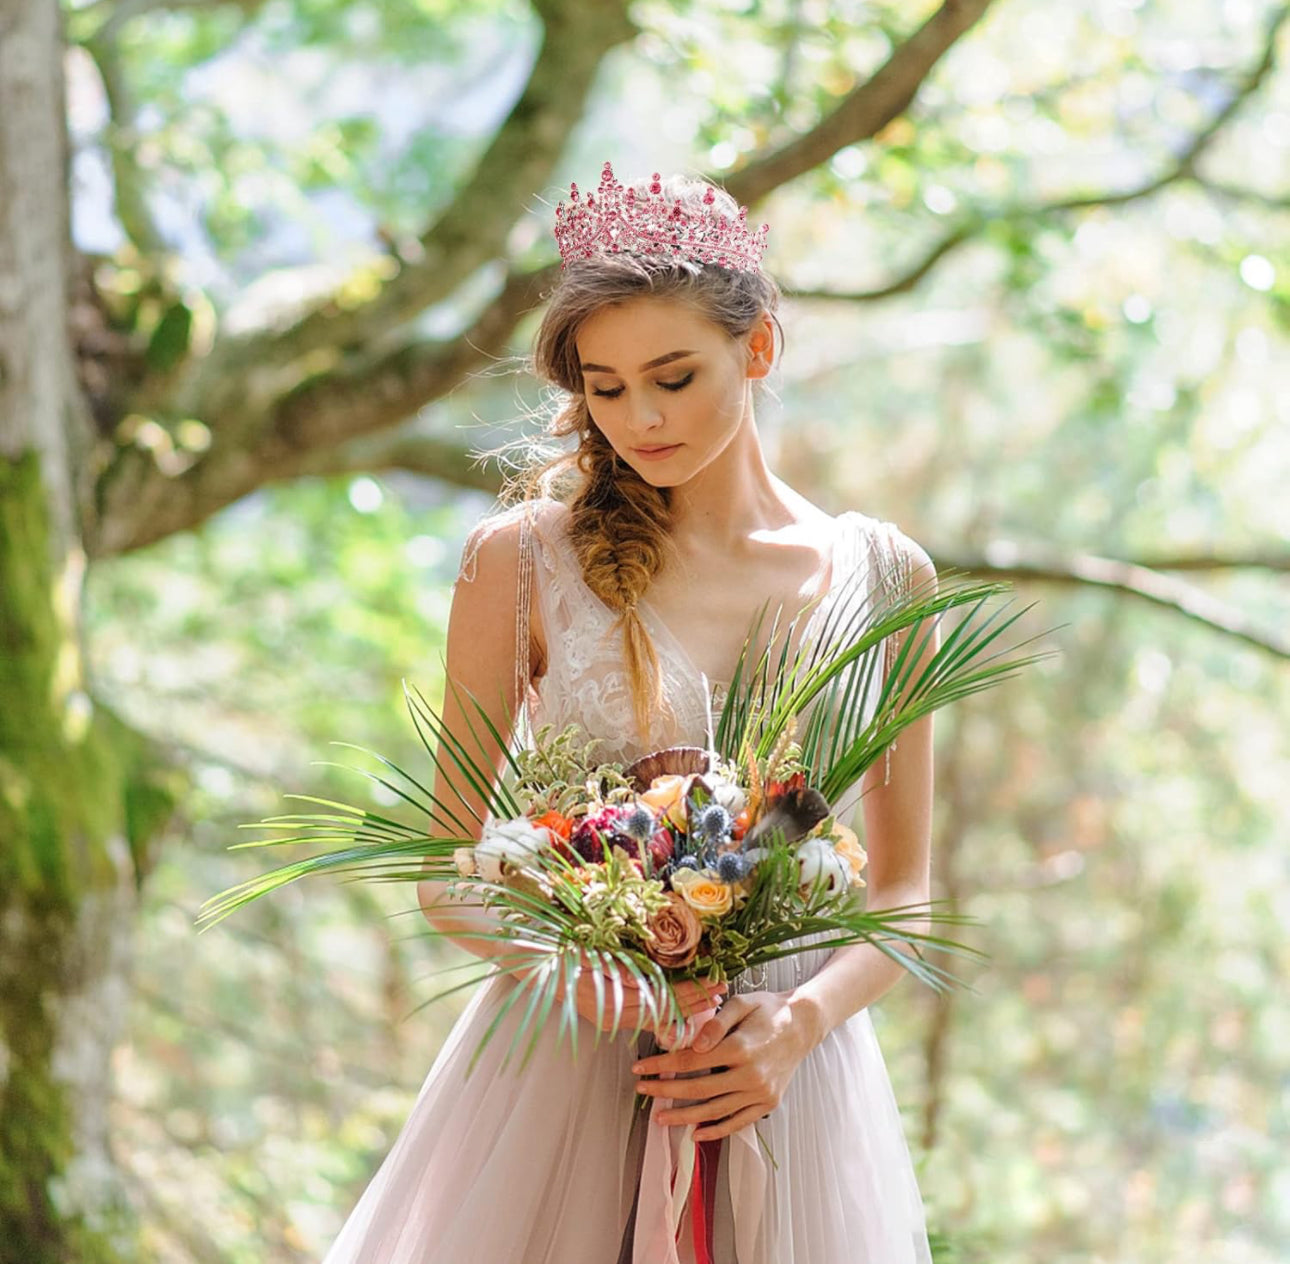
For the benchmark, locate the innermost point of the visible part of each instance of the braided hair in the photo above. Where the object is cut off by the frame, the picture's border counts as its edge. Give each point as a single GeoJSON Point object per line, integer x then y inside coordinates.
{"type": "Point", "coordinates": [620, 525]}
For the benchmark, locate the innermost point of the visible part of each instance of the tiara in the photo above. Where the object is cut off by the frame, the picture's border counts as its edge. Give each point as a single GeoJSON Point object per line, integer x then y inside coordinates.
{"type": "Point", "coordinates": [613, 220]}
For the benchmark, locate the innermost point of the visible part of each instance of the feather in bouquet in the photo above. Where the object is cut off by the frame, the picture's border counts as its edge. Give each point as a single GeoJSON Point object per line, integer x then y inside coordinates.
{"type": "Point", "coordinates": [688, 863]}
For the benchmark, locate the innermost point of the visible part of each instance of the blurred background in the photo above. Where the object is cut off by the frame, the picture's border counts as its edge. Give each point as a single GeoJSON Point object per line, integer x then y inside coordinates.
{"type": "Point", "coordinates": [1037, 272]}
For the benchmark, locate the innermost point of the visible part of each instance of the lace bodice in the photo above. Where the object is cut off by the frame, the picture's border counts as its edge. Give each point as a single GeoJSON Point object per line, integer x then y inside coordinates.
{"type": "Point", "coordinates": [586, 677]}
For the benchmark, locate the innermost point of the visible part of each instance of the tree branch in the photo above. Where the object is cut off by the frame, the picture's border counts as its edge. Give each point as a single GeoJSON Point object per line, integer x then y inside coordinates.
{"type": "Point", "coordinates": [907, 280]}
{"type": "Point", "coordinates": [422, 454]}
{"type": "Point", "coordinates": [128, 182]}
{"type": "Point", "coordinates": [472, 232]}
{"type": "Point", "coordinates": [270, 424]}
{"type": "Point", "coordinates": [1006, 561]}
{"type": "Point", "coordinates": [1181, 168]}
{"type": "Point", "coordinates": [265, 439]}
{"type": "Point", "coordinates": [141, 503]}
{"type": "Point", "coordinates": [867, 109]}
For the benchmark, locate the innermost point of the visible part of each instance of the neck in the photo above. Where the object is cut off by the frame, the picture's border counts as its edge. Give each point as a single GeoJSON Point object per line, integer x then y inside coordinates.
{"type": "Point", "coordinates": [732, 498]}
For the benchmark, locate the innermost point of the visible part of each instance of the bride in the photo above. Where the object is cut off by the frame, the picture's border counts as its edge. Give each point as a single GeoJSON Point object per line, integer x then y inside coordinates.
{"type": "Point", "coordinates": [618, 594]}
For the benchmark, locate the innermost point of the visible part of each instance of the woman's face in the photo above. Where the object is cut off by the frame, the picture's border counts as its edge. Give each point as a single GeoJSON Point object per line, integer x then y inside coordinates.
{"type": "Point", "coordinates": [666, 414]}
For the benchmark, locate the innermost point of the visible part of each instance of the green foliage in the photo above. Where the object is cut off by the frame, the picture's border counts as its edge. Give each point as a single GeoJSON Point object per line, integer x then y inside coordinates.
{"type": "Point", "coordinates": [196, 641]}
{"type": "Point", "coordinates": [62, 769]}
{"type": "Point", "coordinates": [556, 768]}
{"type": "Point", "coordinates": [553, 926]}
{"type": "Point", "coordinates": [1104, 380]}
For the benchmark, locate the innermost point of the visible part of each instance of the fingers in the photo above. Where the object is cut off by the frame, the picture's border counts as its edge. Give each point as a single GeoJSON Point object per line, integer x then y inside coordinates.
{"type": "Point", "coordinates": [694, 1088]}
{"type": "Point", "coordinates": [741, 1119]}
{"type": "Point", "coordinates": [699, 995]}
{"type": "Point", "coordinates": [695, 1004]}
{"type": "Point", "coordinates": [709, 1111]}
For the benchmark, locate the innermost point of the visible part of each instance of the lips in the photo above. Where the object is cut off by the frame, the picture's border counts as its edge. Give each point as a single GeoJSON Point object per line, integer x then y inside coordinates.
{"type": "Point", "coordinates": [656, 450]}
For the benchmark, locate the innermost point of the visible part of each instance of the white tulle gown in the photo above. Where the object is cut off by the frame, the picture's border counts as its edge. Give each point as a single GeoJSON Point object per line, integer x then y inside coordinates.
{"type": "Point", "coordinates": [542, 1166]}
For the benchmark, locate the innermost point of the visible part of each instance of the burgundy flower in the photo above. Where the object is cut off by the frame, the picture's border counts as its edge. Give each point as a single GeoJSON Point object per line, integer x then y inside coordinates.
{"type": "Point", "coordinates": [615, 826]}
{"type": "Point", "coordinates": [661, 847]}
{"type": "Point", "coordinates": [598, 830]}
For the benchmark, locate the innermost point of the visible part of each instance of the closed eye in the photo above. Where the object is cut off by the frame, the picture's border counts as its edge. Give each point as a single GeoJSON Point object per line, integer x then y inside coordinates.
{"type": "Point", "coordinates": [679, 385]}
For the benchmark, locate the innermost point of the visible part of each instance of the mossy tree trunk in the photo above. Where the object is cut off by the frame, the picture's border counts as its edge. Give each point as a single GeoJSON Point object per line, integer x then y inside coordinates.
{"type": "Point", "coordinates": [78, 790]}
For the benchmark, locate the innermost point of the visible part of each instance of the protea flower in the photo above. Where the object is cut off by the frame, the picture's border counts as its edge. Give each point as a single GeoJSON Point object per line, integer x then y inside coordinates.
{"type": "Point", "coordinates": [625, 826]}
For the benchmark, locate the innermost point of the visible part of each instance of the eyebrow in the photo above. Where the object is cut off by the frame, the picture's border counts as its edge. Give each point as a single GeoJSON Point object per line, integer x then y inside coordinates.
{"type": "Point", "coordinates": [650, 364]}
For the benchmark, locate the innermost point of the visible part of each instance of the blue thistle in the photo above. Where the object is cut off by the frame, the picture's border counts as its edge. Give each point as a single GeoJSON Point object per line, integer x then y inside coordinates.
{"type": "Point", "coordinates": [730, 867]}
{"type": "Point", "coordinates": [639, 824]}
{"type": "Point", "coordinates": [715, 822]}
{"type": "Point", "coordinates": [687, 862]}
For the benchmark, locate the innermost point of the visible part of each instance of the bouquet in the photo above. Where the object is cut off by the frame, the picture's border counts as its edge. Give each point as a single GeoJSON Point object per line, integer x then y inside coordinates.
{"type": "Point", "coordinates": [689, 863]}
{"type": "Point", "coordinates": [680, 865]}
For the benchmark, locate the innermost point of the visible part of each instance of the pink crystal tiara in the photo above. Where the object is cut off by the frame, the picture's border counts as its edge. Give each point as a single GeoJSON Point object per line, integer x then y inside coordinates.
{"type": "Point", "coordinates": [613, 219]}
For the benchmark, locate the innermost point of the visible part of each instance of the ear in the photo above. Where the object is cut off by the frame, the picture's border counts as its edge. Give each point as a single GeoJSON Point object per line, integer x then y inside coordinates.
{"type": "Point", "coordinates": [761, 348]}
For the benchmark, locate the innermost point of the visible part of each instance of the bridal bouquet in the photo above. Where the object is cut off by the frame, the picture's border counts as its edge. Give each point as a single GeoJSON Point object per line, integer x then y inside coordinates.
{"type": "Point", "coordinates": [688, 863]}
{"type": "Point", "coordinates": [680, 865]}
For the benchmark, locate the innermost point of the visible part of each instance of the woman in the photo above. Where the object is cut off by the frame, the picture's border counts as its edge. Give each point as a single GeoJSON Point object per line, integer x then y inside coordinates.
{"type": "Point", "coordinates": [614, 595]}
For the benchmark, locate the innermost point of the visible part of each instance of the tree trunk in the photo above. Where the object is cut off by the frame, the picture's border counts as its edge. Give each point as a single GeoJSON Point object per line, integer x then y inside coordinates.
{"type": "Point", "coordinates": [78, 790]}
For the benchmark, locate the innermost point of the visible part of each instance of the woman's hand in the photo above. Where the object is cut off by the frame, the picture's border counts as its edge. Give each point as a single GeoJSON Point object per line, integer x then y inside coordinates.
{"type": "Point", "coordinates": [757, 1041]}
{"type": "Point", "coordinates": [692, 997]}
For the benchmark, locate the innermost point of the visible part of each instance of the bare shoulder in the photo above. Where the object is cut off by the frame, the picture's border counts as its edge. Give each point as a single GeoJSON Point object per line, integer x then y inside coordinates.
{"type": "Point", "coordinates": [922, 571]}
{"type": "Point", "coordinates": [911, 557]}
{"type": "Point", "coordinates": [487, 588]}
{"type": "Point", "coordinates": [810, 515]}
{"type": "Point", "coordinates": [492, 548]}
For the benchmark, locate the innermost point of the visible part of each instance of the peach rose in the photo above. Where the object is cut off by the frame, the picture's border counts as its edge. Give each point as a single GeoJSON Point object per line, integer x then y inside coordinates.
{"type": "Point", "coordinates": [667, 794]}
{"type": "Point", "coordinates": [708, 896]}
{"type": "Point", "coordinates": [676, 932]}
{"type": "Point", "coordinates": [847, 845]}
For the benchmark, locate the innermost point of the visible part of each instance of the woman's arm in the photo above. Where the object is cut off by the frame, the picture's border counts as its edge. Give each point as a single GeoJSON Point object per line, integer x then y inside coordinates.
{"type": "Point", "coordinates": [480, 658]}
{"type": "Point", "coordinates": [898, 838]}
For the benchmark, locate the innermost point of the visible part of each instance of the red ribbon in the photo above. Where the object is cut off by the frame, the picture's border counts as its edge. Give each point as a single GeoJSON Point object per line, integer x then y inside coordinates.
{"type": "Point", "coordinates": [703, 1199]}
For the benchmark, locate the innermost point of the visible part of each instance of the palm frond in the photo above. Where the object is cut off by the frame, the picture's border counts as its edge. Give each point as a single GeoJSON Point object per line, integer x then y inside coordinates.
{"type": "Point", "coordinates": [845, 711]}
{"type": "Point", "coordinates": [830, 676]}
{"type": "Point", "coordinates": [481, 780]}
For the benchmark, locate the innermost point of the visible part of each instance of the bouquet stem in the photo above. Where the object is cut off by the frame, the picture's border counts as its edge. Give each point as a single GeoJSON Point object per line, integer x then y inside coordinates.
{"type": "Point", "coordinates": [673, 1173]}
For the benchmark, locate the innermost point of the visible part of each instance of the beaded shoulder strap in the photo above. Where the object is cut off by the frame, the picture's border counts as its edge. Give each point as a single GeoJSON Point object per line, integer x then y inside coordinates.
{"type": "Point", "coordinates": [524, 512]}
{"type": "Point", "coordinates": [523, 624]}
{"type": "Point", "coordinates": [894, 571]}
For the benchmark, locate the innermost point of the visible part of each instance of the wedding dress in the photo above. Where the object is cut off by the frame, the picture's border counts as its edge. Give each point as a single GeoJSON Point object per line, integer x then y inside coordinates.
{"type": "Point", "coordinates": [541, 1166]}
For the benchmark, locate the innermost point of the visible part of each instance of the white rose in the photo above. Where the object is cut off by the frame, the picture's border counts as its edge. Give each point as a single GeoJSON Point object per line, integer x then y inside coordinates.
{"type": "Point", "coordinates": [510, 842]}
{"type": "Point", "coordinates": [817, 861]}
{"type": "Point", "coordinates": [464, 859]}
{"type": "Point", "coordinates": [730, 796]}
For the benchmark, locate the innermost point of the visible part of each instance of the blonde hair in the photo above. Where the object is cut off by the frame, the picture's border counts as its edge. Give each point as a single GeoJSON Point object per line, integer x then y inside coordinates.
{"type": "Point", "coordinates": [620, 525]}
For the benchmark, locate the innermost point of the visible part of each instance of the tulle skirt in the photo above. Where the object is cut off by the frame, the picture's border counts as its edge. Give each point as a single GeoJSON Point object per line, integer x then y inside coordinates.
{"type": "Point", "coordinates": [540, 1166]}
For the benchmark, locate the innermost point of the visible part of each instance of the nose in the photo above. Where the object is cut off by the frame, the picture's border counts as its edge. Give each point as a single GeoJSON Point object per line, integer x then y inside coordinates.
{"type": "Point", "coordinates": [644, 417]}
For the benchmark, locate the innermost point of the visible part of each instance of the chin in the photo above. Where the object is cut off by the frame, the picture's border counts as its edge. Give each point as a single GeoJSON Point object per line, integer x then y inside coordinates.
{"type": "Point", "coordinates": [655, 477]}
